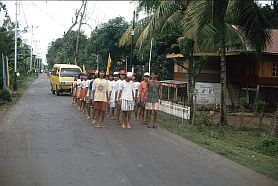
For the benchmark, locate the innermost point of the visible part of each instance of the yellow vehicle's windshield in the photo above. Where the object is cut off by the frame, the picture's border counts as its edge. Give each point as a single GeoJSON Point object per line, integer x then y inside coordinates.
{"type": "Point", "coordinates": [69, 72]}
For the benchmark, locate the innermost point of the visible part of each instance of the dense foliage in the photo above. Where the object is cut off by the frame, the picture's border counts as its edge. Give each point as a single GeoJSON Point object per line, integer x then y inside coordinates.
{"type": "Point", "coordinates": [271, 14]}
{"type": "Point", "coordinates": [103, 40]}
{"type": "Point", "coordinates": [7, 47]}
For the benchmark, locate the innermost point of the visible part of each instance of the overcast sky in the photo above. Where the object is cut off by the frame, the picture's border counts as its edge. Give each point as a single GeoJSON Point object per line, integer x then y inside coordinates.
{"type": "Point", "coordinates": [52, 18]}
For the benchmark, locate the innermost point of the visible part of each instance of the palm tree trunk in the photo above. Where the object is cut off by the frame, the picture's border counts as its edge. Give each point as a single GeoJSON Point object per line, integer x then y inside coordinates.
{"type": "Point", "coordinates": [190, 87]}
{"type": "Point", "coordinates": [223, 117]}
{"type": "Point", "coordinates": [274, 130]}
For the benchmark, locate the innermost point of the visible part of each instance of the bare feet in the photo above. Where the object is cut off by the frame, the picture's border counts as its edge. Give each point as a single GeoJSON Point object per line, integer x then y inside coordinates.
{"type": "Point", "coordinates": [123, 126]}
{"type": "Point", "coordinates": [128, 126]}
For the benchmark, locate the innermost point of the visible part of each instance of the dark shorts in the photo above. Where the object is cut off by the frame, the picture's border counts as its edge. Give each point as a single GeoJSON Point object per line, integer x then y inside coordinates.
{"type": "Point", "coordinates": [100, 105]}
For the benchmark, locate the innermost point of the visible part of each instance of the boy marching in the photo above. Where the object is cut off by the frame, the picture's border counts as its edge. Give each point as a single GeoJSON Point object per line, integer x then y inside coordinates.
{"type": "Point", "coordinates": [126, 97]}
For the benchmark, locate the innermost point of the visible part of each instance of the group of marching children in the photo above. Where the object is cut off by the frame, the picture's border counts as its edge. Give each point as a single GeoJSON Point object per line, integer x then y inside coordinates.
{"type": "Point", "coordinates": [119, 94]}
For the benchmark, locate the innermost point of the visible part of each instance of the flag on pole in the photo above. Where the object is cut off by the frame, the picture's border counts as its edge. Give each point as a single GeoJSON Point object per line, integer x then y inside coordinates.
{"type": "Point", "coordinates": [108, 65]}
{"type": "Point", "coordinates": [8, 72]}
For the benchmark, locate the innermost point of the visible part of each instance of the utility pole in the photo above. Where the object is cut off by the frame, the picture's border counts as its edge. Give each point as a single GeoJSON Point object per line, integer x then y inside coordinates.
{"type": "Point", "coordinates": [132, 41]}
{"type": "Point", "coordinates": [15, 49]}
{"type": "Point", "coordinates": [78, 33]}
{"type": "Point", "coordinates": [31, 52]}
{"type": "Point", "coordinates": [31, 57]}
{"type": "Point", "coordinates": [36, 49]}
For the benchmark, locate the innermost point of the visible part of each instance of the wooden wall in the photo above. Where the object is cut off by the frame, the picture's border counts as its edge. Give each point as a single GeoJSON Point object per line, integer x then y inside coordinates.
{"type": "Point", "coordinates": [241, 71]}
{"type": "Point", "coordinates": [266, 69]}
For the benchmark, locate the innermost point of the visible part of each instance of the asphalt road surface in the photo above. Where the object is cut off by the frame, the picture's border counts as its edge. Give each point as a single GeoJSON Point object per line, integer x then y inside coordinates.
{"type": "Point", "coordinates": [45, 141]}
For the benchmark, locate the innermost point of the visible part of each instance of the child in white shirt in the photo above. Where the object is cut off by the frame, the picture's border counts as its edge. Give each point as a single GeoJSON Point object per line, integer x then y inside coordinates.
{"type": "Point", "coordinates": [126, 96]}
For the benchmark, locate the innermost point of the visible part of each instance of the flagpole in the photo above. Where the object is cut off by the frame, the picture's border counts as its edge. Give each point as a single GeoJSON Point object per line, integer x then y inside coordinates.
{"type": "Point", "coordinates": [3, 71]}
{"type": "Point", "coordinates": [126, 63]}
{"type": "Point", "coordinates": [7, 72]}
{"type": "Point", "coordinates": [97, 62]}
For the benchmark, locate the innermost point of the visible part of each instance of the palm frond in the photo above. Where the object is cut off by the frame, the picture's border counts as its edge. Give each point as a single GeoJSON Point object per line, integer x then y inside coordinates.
{"type": "Point", "coordinates": [171, 21]}
{"type": "Point", "coordinates": [163, 12]}
{"type": "Point", "coordinates": [252, 24]}
{"type": "Point", "coordinates": [148, 6]}
{"type": "Point", "coordinates": [139, 27]}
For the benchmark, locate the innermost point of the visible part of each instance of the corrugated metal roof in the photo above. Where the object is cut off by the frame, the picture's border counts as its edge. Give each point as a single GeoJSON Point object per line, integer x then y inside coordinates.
{"type": "Point", "coordinates": [273, 47]}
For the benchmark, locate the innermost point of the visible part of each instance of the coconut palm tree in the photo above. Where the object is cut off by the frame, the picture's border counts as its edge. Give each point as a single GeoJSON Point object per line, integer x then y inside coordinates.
{"type": "Point", "coordinates": [215, 18]}
{"type": "Point", "coordinates": [210, 24]}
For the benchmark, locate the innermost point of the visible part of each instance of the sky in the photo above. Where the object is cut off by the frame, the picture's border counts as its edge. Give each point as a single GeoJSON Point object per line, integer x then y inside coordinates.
{"type": "Point", "coordinates": [50, 19]}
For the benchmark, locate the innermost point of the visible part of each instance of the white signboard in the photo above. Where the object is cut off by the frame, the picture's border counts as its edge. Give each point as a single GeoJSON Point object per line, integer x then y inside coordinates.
{"type": "Point", "coordinates": [209, 93]}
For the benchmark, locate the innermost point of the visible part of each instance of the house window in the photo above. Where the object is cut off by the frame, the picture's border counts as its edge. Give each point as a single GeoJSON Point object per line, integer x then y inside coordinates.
{"type": "Point", "coordinates": [180, 69]}
{"type": "Point", "coordinates": [275, 69]}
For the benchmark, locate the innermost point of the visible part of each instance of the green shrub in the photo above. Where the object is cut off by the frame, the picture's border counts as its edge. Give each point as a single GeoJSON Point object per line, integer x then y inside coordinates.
{"type": "Point", "coordinates": [218, 134]}
{"type": "Point", "coordinates": [268, 145]}
{"type": "Point", "coordinates": [6, 95]}
{"type": "Point", "coordinates": [243, 102]}
{"type": "Point", "coordinates": [203, 121]}
{"type": "Point", "coordinates": [260, 105]}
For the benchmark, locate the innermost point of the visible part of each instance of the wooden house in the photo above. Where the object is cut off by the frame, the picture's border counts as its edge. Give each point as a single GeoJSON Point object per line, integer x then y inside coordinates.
{"type": "Point", "coordinates": [245, 77]}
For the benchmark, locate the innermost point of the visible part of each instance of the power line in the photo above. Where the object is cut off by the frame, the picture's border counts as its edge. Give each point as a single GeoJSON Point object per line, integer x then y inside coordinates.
{"type": "Point", "coordinates": [48, 15]}
{"type": "Point", "coordinates": [24, 14]}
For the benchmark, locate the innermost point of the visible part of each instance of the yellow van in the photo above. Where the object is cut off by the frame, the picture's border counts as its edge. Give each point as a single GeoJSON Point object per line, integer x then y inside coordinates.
{"type": "Point", "coordinates": [62, 77]}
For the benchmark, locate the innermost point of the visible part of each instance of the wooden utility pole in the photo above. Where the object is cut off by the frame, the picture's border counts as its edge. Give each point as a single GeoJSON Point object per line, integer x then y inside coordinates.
{"type": "Point", "coordinates": [66, 34]}
{"type": "Point", "coordinates": [78, 33]}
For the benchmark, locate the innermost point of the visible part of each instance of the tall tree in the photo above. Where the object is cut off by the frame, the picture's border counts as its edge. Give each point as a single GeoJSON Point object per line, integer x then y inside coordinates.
{"type": "Point", "coordinates": [104, 39]}
{"type": "Point", "coordinates": [165, 14]}
{"type": "Point", "coordinates": [7, 44]}
{"type": "Point", "coordinates": [216, 17]}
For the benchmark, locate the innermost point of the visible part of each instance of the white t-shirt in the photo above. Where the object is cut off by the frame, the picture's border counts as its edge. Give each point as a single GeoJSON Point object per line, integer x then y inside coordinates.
{"type": "Point", "coordinates": [87, 86]}
{"type": "Point", "coordinates": [110, 83]}
{"type": "Point", "coordinates": [127, 89]}
{"type": "Point", "coordinates": [74, 85]}
{"type": "Point", "coordinates": [88, 83]}
{"type": "Point", "coordinates": [112, 89]}
{"type": "Point", "coordinates": [78, 82]}
{"type": "Point", "coordinates": [136, 87]}
{"type": "Point", "coordinates": [83, 84]}
{"type": "Point", "coordinates": [117, 87]}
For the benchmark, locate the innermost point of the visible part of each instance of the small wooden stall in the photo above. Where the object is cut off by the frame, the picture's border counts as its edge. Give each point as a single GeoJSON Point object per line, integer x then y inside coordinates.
{"type": "Point", "coordinates": [176, 85]}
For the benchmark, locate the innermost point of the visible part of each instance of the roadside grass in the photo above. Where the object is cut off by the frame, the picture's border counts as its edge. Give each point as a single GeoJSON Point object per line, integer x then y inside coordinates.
{"type": "Point", "coordinates": [252, 148]}
{"type": "Point", "coordinates": [22, 84]}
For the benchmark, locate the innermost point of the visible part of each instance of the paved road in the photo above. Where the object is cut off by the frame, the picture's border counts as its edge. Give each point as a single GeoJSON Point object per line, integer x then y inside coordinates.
{"type": "Point", "coordinates": [45, 141]}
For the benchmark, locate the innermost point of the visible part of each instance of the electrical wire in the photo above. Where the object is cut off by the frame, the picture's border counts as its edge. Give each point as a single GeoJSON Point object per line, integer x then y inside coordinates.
{"type": "Point", "coordinates": [48, 15]}
{"type": "Point", "coordinates": [24, 14]}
